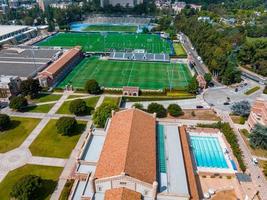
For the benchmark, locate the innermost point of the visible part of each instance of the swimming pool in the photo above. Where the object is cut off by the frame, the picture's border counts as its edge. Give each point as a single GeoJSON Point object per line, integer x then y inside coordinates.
{"type": "Point", "coordinates": [208, 152]}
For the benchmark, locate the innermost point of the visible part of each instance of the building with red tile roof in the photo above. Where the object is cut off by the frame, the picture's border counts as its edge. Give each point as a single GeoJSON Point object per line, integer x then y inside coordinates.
{"type": "Point", "coordinates": [60, 68]}
{"type": "Point", "coordinates": [258, 113]}
{"type": "Point", "coordinates": [128, 157]}
{"type": "Point", "coordinates": [122, 194]}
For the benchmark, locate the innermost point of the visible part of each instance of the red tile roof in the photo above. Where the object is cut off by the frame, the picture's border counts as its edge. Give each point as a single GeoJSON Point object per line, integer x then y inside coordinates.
{"type": "Point", "coordinates": [61, 62]}
{"type": "Point", "coordinates": [130, 147]}
{"type": "Point", "coordinates": [122, 194]}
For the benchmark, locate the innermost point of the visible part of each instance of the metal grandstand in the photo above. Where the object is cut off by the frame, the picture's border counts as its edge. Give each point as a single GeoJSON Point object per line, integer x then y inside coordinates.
{"type": "Point", "coordinates": [95, 19]}
{"type": "Point", "coordinates": [150, 57]}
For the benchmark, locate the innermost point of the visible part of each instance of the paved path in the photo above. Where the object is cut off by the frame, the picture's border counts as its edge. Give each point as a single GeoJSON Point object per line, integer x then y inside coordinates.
{"type": "Point", "coordinates": [56, 162]}
{"type": "Point", "coordinates": [100, 101]}
{"type": "Point", "coordinates": [257, 176]}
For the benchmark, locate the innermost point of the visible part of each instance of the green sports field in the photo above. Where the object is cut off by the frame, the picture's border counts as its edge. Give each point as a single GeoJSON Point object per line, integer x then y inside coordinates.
{"type": "Point", "coordinates": [111, 28]}
{"type": "Point", "coordinates": [106, 42]}
{"type": "Point", "coordinates": [116, 74]}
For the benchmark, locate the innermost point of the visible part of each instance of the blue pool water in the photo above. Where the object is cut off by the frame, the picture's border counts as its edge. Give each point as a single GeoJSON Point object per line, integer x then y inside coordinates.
{"type": "Point", "coordinates": [208, 152]}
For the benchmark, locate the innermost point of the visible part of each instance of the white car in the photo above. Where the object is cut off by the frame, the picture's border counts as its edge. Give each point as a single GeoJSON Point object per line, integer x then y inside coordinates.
{"type": "Point", "coordinates": [192, 48]}
{"type": "Point", "coordinates": [255, 161]}
{"type": "Point", "coordinates": [199, 58]}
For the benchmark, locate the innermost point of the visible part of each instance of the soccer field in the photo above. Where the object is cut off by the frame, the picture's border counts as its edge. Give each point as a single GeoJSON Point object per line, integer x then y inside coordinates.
{"type": "Point", "coordinates": [106, 42]}
{"type": "Point", "coordinates": [111, 28]}
{"type": "Point", "coordinates": [116, 74]}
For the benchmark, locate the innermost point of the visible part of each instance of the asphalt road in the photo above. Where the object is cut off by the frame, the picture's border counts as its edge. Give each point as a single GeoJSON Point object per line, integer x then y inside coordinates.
{"type": "Point", "coordinates": [201, 68]}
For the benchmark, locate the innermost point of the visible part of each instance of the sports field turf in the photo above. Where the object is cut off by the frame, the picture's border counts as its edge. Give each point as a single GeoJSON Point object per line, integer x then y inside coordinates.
{"type": "Point", "coordinates": [110, 28]}
{"type": "Point", "coordinates": [116, 74]}
{"type": "Point", "coordinates": [106, 42]}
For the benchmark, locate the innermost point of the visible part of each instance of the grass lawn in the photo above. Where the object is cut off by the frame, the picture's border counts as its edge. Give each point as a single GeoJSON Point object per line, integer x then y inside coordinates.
{"type": "Point", "coordinates": [46, 98]}
{"type": "Point", "coordinates": [104, 42]}
{"type": "Point", "coordinates": [114, 100]}
{"type": "Point", "coordinates": [252, 90]}
{"type": "Point", "coordinates": [49, 143]}
{"type": "Point", "coordinates": [75, 96]}
{"type": "Point", "coordinates": [66, 190]}
{"type": "Point", "coordinates": [179, 50]}
{"type": "Point", "coordinates": [116, 74]}
{"type": "Point", "coordinates": [238, 119]}
{"type": "Point", "coordinates": [256, 152]}
{"type": "Point", "coordinates": [49, 174]}
{"type": "Point", "coordinates": [39, 109]}
{"type": "Point", "coordinates": [90, 102]}
{"type": "Point", "coordinates": [18, 132]}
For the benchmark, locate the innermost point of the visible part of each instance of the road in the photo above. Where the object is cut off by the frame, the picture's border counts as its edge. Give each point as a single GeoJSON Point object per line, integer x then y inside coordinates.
{"type": "Point", "coordinates": [256, 174]}
{"type": "Point", "coordinates": [201, 68]}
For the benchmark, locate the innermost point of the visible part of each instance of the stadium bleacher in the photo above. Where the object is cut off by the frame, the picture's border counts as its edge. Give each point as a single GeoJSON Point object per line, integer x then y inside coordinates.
{"type": "Point", "coordinates": [150, 57]}
{"type": "Point", "coordinates": [117, 20]}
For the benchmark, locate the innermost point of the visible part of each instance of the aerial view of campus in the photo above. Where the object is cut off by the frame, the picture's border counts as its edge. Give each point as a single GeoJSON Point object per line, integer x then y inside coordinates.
{"type": "Point", "coordinates": [133, 100]}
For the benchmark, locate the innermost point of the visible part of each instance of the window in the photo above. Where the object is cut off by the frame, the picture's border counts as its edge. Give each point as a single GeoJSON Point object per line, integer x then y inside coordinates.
{"type": "Point", "coordinates": [145, 192]}
{"type": "Point", "coordinates": [99, 188]}
{"type": "Point", "coordinates": [123, 183]}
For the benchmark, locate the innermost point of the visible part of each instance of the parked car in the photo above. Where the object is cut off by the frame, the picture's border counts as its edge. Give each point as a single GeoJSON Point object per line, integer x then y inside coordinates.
{"type": "Point", "coordinates": [199, 106]}
{"type": "Point", "coordinates": [226, 103]}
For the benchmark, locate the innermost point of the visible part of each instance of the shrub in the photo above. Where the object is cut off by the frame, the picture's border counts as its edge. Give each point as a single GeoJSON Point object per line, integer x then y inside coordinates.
{"type": "Point", "coordinates": [265, 169]}
{"type": "Point", "coordinates": [265, 90]}
{"type": "Point", "coordinates": [158, 109]}
{"type": "Point", "coordinates": [18, 102]}
{"type": "Point", "coordinates": [175, 110]}
{"type": "Point", "coordinates": [66, 125]}
{"type": "Point", "coordinates": [138, 106]}
{"type": "Point", "coordinates": [102, 113]}
{"type": "Point", "coordinates": [258, 137]}
{"type": "Point", "coordinates": [4, 122]}
{"type": "Point", "coordinates": [92, 87]}
{"type": "Point", "coordinates": [78, 107]}
{"type": "Point", "coordinates": [193, 86]}
{"type": "Point", "coordinates": [241, 108]}
{"type": "Point", "coordinates": [193, 113]}
{"type": "Point", "coordinates": [26, 188]}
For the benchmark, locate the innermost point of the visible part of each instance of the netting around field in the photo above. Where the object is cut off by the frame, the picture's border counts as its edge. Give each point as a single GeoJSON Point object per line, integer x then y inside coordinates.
{"type": "Point", "coordinates": [116, 74]}
{"type": "Point", "coordinates": [106, 42]}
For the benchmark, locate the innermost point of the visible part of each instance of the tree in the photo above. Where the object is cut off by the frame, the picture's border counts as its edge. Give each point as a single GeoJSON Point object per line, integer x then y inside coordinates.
{"type": "Point", "coordinates": [78, 107]}
{"type": "Point", "coordinates": [4, 122]}
{"type": "Point", "coordinates": [18, 102]}
{"type": "Point", "coordinates": [258, 137]}
{"type": "Point", "coordinates": [241, 108]}
{"type": "Point", "coordinates": [28, 187]}
{"type": "Point", "coordinates": [30, 87]}
{"type": "Point", "coordinates": [158, 109]}
{"type": "Point", "coordinates": [208, 77]}
{"type": "Point", "coordinates": [102, 113]}
{"type": "Point", "coordinates": [51, 26]}
{"type": "Point", "coordinates": [138, 106]}
{"type": "Point", "coordinates": [92, 87]}
{"type": "Point", "coordinates": [66, 125]}
{"type": "Point", "coordinates": [175, 110]}
{"type": "Point", "coordinates": [193, 86]}
{"type": "Point", "coordinates": [265, 90]}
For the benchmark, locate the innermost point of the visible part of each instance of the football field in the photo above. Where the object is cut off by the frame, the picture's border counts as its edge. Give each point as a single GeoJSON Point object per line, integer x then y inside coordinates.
{"type": "Point", "coordinates": [107, 42]}
{"type": "Point", "coordinates": [116, 74]}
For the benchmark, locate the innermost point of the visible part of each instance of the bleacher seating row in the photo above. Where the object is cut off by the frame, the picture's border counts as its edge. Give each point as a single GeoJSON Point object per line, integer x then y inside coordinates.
{"type": "Point", "coordinates": [118, 20]}
{"type": "Point", "coordinates": [151, 57]}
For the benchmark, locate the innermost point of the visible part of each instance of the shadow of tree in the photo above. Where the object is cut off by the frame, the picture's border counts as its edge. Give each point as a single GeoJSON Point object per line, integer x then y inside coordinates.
{"type": "Point", "coordinates": [48, 187]}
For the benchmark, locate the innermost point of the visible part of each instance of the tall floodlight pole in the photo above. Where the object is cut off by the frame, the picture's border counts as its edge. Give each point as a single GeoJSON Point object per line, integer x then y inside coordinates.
{"type": "Point", "coordinates": [33, 57]}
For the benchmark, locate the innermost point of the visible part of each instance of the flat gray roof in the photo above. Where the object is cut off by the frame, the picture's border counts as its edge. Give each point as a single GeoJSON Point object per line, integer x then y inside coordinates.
{"type": "Point", "coordinates": [24, 63]}
{"type": "Point", "coordinates": [175, 164]}
{"type": "Point", "coordinates": [6, 29]}
{"type": "Point", "coordinates": [93, 148]}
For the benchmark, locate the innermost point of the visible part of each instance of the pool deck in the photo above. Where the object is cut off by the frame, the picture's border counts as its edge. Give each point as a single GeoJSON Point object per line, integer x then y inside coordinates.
{"type": "Point", "coordinates": [177, 180]}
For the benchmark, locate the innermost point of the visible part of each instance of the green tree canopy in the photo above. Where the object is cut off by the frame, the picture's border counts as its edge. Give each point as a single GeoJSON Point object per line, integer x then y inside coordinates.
{"type": "Point", "coordinates": [92, 87]}
{"type": "Point", "coordinates": [66, 125]}
{"type": "Point", "coordinates": [30, 87]}
{"type": "Point", "coordinates": [258, 137]}
{"type": "Point", "coordinates": [175, 110]}
{"type": "Point", "coordinates": [158, 109]}
{"type": "Point", "coordinates": [78, 107]}
{"type": "Point", "coordinates": [4, 122]}
{"type": "Point", "coordinates": [18, 102]}
{"type": "Point", "coordinates": [102, 113]}
{"type": "Point", "coordinates": [193, 86]}
{"type": "Point", "coordinates": [28, 187]}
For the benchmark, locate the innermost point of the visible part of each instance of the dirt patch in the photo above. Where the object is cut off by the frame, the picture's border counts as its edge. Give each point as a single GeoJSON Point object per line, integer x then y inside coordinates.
{"type": "Point", "coordinates": [199, 114]}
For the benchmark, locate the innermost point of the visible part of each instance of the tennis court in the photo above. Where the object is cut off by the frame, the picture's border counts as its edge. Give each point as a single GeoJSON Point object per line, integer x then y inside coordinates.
{"type": "Point", "coordinates": [116, 74]}
{"type": "Point", "coordinates": [107, 42]}
{"type": "Point", "coordinates": [110, 28]}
